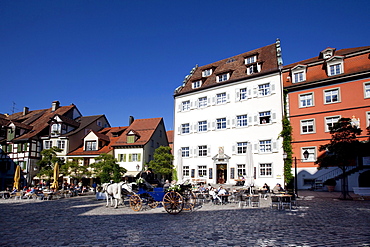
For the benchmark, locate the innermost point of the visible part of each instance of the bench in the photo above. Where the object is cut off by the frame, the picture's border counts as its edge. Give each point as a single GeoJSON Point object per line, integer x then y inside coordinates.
{"type": "Point", "coordinates": [362, 191]}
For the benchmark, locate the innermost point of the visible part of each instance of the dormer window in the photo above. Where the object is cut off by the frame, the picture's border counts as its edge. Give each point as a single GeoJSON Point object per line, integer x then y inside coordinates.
{"type": "Point", "coordinates": [299, 73]}
{"type": "Point", "coordinates": [251, 59]}
{"type": "Point", "coordinates": [223, 77]}
{"type": "Point", "coordinates": [335, 66]}
{"type": "Point", "coordinates": [132, 137]}
{"type": "Point", "coordinates": [197, 84]}
{"type": "Point", "coordinates": [253, 68]}
{"type": "Point", "coordinates": [56, 129]}
{"type": "Point", "coordinates": [90, 146]}
{"type": "Point", "coordinates": [206, 72]}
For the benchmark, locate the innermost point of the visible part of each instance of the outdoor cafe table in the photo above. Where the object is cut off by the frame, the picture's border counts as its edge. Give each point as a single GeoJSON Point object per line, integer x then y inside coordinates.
{"type": "Point", "coordinates": [4, 193]}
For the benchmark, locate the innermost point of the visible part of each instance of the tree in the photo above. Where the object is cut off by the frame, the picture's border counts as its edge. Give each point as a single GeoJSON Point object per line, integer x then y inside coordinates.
{"type": "Point", "coordinates": [107, 169]}
{"type": "Point", "coordinates": [49, 159]}
{"type": "Point", "coordinates": [342, 150]}
{"type": "Point", "coordinates": [74, 169]}
{"type": "Point", "coordinates": [162, 162]}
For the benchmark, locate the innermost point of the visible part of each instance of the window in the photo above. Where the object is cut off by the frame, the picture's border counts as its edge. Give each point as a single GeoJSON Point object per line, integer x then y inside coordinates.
{"type": "Point", "coordinates": [197, 84]}
{"type": "Point", "coordinates": [55, 129]}
{"type": "Point", "coordinates": [335, 69]}
{"type": "Point", "coordinates": [121, 157]}
{"type": "Point", "coordinates": [266, 170]}
{"type": "Point", "coordinates": [61, 144]}
{"type": "Point", "coordinates": [242, 147]}
{"type": "Point", "coordinates": [185, 152]}
{"type": "Point", "coordinates": [243, 94]}
{"type": "Point", "coordinates": [254, 68]}
{"type": "Point", "coordinates": [264, 89]}
{"type": "Point", "coordinates": [251, 59]}
{"type": "Point", "coordinates": [311, 154]}
{"type": "Point", "coordinates": [265, 117]}
{"type": "Point", "coordinates": [206, 72]}
{"type": "Point", "coordinates": [202, 171]}
{"type": "Point", "coordinates": [185, 128]}
{"type": "Point", "coordinates": [185, 106]}
{"type": "Point", "coordinates": [241, 121]}
{"type": "Point", "coordinates": [241, 170]}
{"type": "Point", "coordinates": [202, 102]}
{"type": "Point", "coordinates": [202, 126]}
{"type": "Point", "coordinates": [307, 126]}
{"type": "Point", "coordinates": [331, 96]}
{"type": "Point", "coordinates": [306, 100]}
{"type": "Point", "coordinates": [202, 150]}
{"type": "Point", "coordinates": [221, 98]}
{"type": "Point", "coordinates": [90, 145]}
{"type": "Point", "coordinates": [265, 146]}
{"type": "Point", "coordinates": [48, 144]}
{"type": "Point", "coordinates": [223, 77]}
{"type": "Point", "coordinates": [367, 90]}
{"type": "Point", "coordinates": [185, 171]}
{"type": "Point", "coordinates": [221, 123]}
{"type": "Point", "coordinates": [298, 77]}
{"type": "Point", "coordinates": [330, 121]}
{"type": "Point", "coordinates": [135, 157]}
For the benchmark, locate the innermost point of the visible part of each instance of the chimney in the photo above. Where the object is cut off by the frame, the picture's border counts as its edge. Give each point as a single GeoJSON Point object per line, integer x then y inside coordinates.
{"type": "Point", "coordinates": [25, 110]}
{"type": "Point", "coordinates": [55, 105]}
{"type": "Point", "coordinates": [131, 120]}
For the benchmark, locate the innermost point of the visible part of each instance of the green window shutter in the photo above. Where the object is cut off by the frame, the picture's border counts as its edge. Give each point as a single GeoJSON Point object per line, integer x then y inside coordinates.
{"type": "Point", "coordinates": [119, 157]}
{"type": "Point", "coordinates": [138, 157]}
{"type": "Point", "coordinates": [130, 158]}
{"type": "Point", "coordinates": [130, 139]}
{"type": "Point", "coordinates": [124, 158]}
{"type": "Point", "coordinates": [25, 146]}
{"type": "Point", "coordinates": [10, 148]}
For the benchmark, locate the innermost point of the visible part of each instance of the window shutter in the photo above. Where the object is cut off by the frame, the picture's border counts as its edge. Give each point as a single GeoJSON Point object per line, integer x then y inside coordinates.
{"type": "Point", "coordinates": [179, 108]}
{"type": "Point", "coordinates": [227, 97]}
{"type": "Point", "coordinates": [130, 158]}
{"type": "Point", "coordinates": [233, 122]}
{"type": "Point", "coordinates": [250, 120]}
{"type": "Point", "coordinates": [273, 116]}
{"type": "Point", "coordinates": [255, 92]}
{"type": "Point", "coordinates": [196, 152]}
{"type": "Point", "coordinates": [208, 101]}
{"type": "Point", "coordinates": [250, 95]}
{"type": "Point", "coordinates": [255, 120]}
{"type": "Point", "coordinates": [190, 152]}
{"type": "Point", "coordinates": [233, 149]}
{"type": "Point", "coordinates": [195, 128]}
{"type": "Point", "coordinates": [124, 158]}
{"type": "Point", "coordinates": [119, 157]}
{"type": "Point", "coordinates": [272, 88]}
{"type": "Point", "coordinates": [213, 100]}
{"type": "Point", "coordinates": [255, 148]}
{"type": "Point", "coordinates": [196, 104]}
{"type": "Point", "coordinates": [208, 125]}
{"type": "Point", "coordinates": [213, 125]}
{"type": "Point", "coordinates": [274, 146]}
{"type": "Point", "coordinates": [228, 124]}
{"type": "Point", "coordinates": [208, 150]}
{"type": "Point", "coordinates": [139, 157]}
{"type": "Point", "coordinates": [237, 95]}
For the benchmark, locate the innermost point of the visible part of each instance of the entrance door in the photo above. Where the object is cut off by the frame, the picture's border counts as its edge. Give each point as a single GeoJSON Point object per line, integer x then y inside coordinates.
{"type": "Point", "coordinates": [221, 173]}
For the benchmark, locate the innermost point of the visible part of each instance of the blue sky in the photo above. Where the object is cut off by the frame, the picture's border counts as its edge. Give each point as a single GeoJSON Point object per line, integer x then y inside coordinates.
{"type": "Point", "coordinates": [122, 58]}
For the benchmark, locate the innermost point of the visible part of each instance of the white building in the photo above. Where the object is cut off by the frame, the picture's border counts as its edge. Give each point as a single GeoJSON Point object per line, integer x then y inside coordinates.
{"type": "Point", "coordinates": [228, 119]}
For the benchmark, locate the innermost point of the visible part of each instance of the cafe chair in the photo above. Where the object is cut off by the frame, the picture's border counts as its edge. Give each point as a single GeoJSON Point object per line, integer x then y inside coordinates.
{"type": "Point", "coordinates": [255, 200]}
{"type": "Point", "coordinates": [286, 201]}
{"type": "Point", "coordinates": [275, 202]}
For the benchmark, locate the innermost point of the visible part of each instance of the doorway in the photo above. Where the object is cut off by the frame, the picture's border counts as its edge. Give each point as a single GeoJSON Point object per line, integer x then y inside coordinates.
{"type": "Point", "coordinates": [221, 173]}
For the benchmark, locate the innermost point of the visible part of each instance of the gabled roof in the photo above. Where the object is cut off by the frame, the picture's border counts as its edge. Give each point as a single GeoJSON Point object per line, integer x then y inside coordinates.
{"type": "Point", "coordinates": [267, 56]}
{"type": "Point", "coordinates": [83, 123]}
{"type": "Point", "coordinates": [170, 136]}
{"type": "Point", "coordinates": [143, 127]}
{"type": "Point", "coordinates": [66, 120]}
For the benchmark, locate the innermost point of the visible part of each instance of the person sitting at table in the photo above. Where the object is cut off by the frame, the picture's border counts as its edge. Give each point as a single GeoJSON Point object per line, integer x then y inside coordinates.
{"type": "Point", "coordinates": [223, 194]}
{"type": "Point", "coordinates": [266, 188]}
{"type": "Point", "coordinates": [202, 188]}
{"type": "Point", "coordinates": [214, 195]}
{"type": "Point", "coordinates": [14, 190]}
{"type": "Point", "coordinates": [277, 188]}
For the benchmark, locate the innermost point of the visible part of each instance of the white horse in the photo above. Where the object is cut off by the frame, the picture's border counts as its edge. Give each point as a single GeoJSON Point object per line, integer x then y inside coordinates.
{"type": "Point", "coordinates": [115, 192]}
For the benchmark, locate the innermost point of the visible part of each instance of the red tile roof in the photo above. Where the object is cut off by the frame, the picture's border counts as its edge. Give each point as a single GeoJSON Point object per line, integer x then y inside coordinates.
{"type": "Point", "coordinates": [266, 56]}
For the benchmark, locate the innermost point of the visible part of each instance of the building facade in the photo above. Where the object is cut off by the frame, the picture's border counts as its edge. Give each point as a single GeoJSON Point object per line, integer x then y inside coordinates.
{"type": "Point", "coordinates": [321, 90]}
{"type": "Point", "coordinates": [228, 119]}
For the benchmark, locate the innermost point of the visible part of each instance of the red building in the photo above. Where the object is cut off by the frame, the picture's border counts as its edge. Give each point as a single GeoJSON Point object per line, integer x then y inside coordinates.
{"type": "Point", "coordinates": [321, 90]}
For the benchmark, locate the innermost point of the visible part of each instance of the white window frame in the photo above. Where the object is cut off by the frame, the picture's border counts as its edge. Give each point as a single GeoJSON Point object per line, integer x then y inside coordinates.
{"type": "Point", "coordinates": [223, 77]}
{"type": "Point", "coordinates": [196, 84]}
{"type": "Point", "coordinates": [185, 105]}
{"type": "Point", "coordinates": [241, 170]}
{"type": "Point", "coordinates": [299, 73]}
{"type": "Point", "coordinates": [306, 98]}
{"type": "Point", "coordinates": [202, 171]}
{"type": "Point", "coordinates": [61, 144]}
{"type": "Point", "coordinates": [48, 144]}
{"type": "Point", "coordinates": [253, 68]}
{"type": "Point", "coordinates": [185, 152]}
{"type": "Point", "coordinates": [265, 146]}
{"type": "Point", "coordinates": [242, 120]}
{"type": "Point", "coordinates": [202, 102]}
{"type": "Point", "coordinates": [367, 90]}
{"type": "Point", "coordinates": [241, 147]}
{"type": "Point", "coordinates": [135, 157]}
{"type": "Point", "coordinates": [90, 145]}
{"type": "Point", "coordinates": [250, 59]}
{"type": "Point", "coordinates": [202, 126]}
{"type": "Point", "coordinates": [335, 66]}
{"type": "Point", "coordinates": [335, 69]}
{"type": "Point", "coordinates": [243, 93]}
{"type": "Point", "coordinates": [221, 98]}
{"type": "Point", "coordinates": [266, 169]}
{"type": "Point", "coordinates": [264, 89]}
{"type": "Point", "coordinates": [202, 150]}
{"type": "Point", "coordinates": [185, 128]}
{"type": "Point", "coordinates": [207, 72]}
{"type": "Point", "coordinates": [330, 121]}
{"type": "Point", "coordinates": [221, 123]}
{"type": "Point", "coordinates": [186, 171]}
{"type": "Point", "coordinates": [337, 90]}
{"type": "Point", "coordinates": [312, 154]}
{"type": "Point", "coordinates": [264, 115]}
{"type": "Point", "coordinates": [306, 123]}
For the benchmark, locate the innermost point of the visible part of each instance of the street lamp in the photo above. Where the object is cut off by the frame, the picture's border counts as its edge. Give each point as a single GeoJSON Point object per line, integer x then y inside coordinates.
{"type": "Point", "coordinates": [305, 155]}
{"type": "Point", "coordinates": [137, 167]}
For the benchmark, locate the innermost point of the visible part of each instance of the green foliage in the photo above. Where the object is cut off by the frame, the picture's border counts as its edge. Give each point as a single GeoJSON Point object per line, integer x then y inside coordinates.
{"type": "Point", "coordinates": [286, 134]}
{"type": "Point", "coordinates": [344, 146]}
{"type": "Point", "coordinates": [74, 169]}
{"type": "Point", "coordinates": [107, 169]}
{"type": "Point", "coordinates": [49, 158]}
{"type": "Point", "coordinates": [163, 161]}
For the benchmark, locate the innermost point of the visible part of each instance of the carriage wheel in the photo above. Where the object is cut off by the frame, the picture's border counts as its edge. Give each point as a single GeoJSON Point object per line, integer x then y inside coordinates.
{"type": "Point", "coordinates": [135, 203]}
{"type": "Point", "coordinates": [189, 200]}
{"type": "Point", "coordinates": [173, 202]}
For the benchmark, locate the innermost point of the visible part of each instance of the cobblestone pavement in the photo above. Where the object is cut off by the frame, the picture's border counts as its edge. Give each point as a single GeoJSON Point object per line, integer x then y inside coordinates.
{"type": "Point", "coordinates": [319, 220]}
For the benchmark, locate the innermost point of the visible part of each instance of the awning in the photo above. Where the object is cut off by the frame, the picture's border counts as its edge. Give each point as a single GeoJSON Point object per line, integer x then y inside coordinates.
{"type": "Point", "coordinates": [131, 173]}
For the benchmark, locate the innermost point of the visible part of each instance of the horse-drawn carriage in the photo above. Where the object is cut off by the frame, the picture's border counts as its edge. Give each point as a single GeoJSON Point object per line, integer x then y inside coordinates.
{"type": "Point", "coordinates": [143, 195]}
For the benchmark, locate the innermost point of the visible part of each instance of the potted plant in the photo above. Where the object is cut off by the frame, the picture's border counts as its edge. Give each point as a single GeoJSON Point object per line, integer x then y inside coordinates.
{"type": "Point", "coordinates": [330, 184]}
